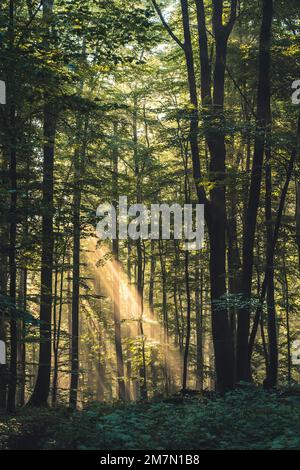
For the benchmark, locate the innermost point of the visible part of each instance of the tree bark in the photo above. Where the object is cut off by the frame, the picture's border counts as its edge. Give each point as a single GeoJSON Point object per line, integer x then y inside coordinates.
{"type": "Point", "coordinates": [116, 278]}
{"type": "Point", "coordinates": [263, 112]}
{"type": "Point", "coordinates": [298, 219]}
{"type": "Point", "coordinates": [295, 153]}
{"type": "Point", "coordinates": [12, 387]}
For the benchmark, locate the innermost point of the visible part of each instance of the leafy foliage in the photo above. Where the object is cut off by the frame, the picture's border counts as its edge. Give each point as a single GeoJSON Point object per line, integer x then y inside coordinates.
{"type": "Point", "coordinates": [245, 419]}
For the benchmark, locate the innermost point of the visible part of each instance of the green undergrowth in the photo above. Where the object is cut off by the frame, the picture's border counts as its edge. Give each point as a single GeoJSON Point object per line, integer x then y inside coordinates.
{"type": "Point", "coordinates": [244, 419]}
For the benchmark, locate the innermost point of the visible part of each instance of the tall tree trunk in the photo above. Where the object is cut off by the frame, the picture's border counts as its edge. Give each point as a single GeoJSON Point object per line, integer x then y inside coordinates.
{"type": "Point", "coordinates": [188, 290]}
{"type": "Point", "coordinates": [79, 165]}
{"type": "Point", "coordinates": [75, 281]}
{"type": "Point", "coordinates": [188, 321]}
{"type": "Point", "coordinates": [216, 209]}
{"type": "Point", "coordinates": [140, 259]}
{"type": "Point", "coordinates": [179, 338]}
{"type": "Point", "coordinates": [11, 398]}
{"type": "Point", "coordinates": [101, 359]}
{"type": "Point", "coordinates": [3, 283]}
{"type": "Point", "coordinates": [233, 255]}
{"type": "Point", "coordinates": [22, 336]}
{"type": "Point", "coordinates": [258, 313]}
{"type": "Point", "coordinates": [128, 331]}
{"type": "Point", "coordinates": [199, 325]}
{"type": "Point", "coordinates": [288, 329]}
{"type": "Point", "coordinates": [298, 219]}
{"type": "Point", "coordinates": [3, 326]}
{"type": "Point", "coordinates": [23, 289]}
{"type": "Point", "coordinates": [263, 112]}
{"type": "Point", "coordinates": [152, 279]}
{"type": "Point", "coordinates": [215, 212]}
{"type": "Point", "coordinates": [272, 370]}
{"type": "Point", "coordinates": [164, 313]}
{"type": "Point", "coordinates": [42, 386]}
{"type": "Point", "coordinates": [55, 298]}
{"type": "Point", "coordinates": [116, 276]}
{"type": "Point", "coordinates": [57, 326]}
{"type": "Point", "coordinates": [3, 257]}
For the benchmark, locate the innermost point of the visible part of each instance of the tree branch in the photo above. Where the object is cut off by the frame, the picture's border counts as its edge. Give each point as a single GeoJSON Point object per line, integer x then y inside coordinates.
{"type": "Point", "coordinates": [32, 17]}
{"type": "Point", "coordinates": [166, 25]}
{"type": "Point", "coordinates": [232, 19]}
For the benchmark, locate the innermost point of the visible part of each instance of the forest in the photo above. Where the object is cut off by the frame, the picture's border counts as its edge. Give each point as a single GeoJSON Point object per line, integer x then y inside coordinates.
{"type": "Point", "coordinates": [131, 341]}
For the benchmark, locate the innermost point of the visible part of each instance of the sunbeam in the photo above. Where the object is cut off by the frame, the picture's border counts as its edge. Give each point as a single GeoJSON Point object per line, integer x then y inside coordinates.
{"type": "Point", "coordinates": [139, 324]}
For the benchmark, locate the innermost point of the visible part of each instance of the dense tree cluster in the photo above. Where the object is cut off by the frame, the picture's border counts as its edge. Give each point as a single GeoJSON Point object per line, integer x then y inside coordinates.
{"type": "Point", "coordinates": [186, 101]}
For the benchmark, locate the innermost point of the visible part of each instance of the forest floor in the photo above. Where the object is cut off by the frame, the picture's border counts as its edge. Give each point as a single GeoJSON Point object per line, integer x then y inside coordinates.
{"type": "Point", "coordinates": [244, 419]}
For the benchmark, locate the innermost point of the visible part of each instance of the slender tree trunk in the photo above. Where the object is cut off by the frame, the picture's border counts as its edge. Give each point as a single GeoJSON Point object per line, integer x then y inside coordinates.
{"type": "Point", "coordinates": [263, 112]}
{"type": "Point", "coordinates": [75, 281]}
{"type": "Point", "coordinates": [288, 329]}
{"type": "Point", "coordinates": [152, 279]}
{"type": "Point", "coordinates": [298, 219]}
{"type": "Point", "coordinates": [42, 386]}
{"type": "Point", "coordinates": [128, 332]}
{"type": "Point", "coordinates": [151, 308]}
{"type": "Point", "coordinates": [3, 285]}
{"type": "Point", "coordinates": [179, 337]}
{"type": "Point", "coordinates": [23, 290]}
{"type": "Point", "coordinates": [117, 324]}
{"type": "Point", "coordinates": [56, 340]}
{"type": "Point", "coordinates": [11, 398]}
{"type": "Point", "coordinates": [199, 325]}
{"type": "Point", "coordinates": [294, 155]}
{"type": "Point", "coordinates": [116, 277]}
{"type": "Point", "coordinates": [55, 353]}
{"type": "Point", "coordinates": [3, 327]}
{"type": "Point", "coordinates": [188, 321]}
{"type": "Point", "coordinates": [164, 314]}
{"type": "Point", "coordinates": [140, 260]}
{"type": "Point", "coordinates": [79, 165]}
{"type": "Point", "coordinates": [272, 370]}
{"type": "Point", "coordinates": [22, 336]}
{"type": "Point", "coordinates": [234, 262]}
{"type": "Point", "coordinates": [188, 290]}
